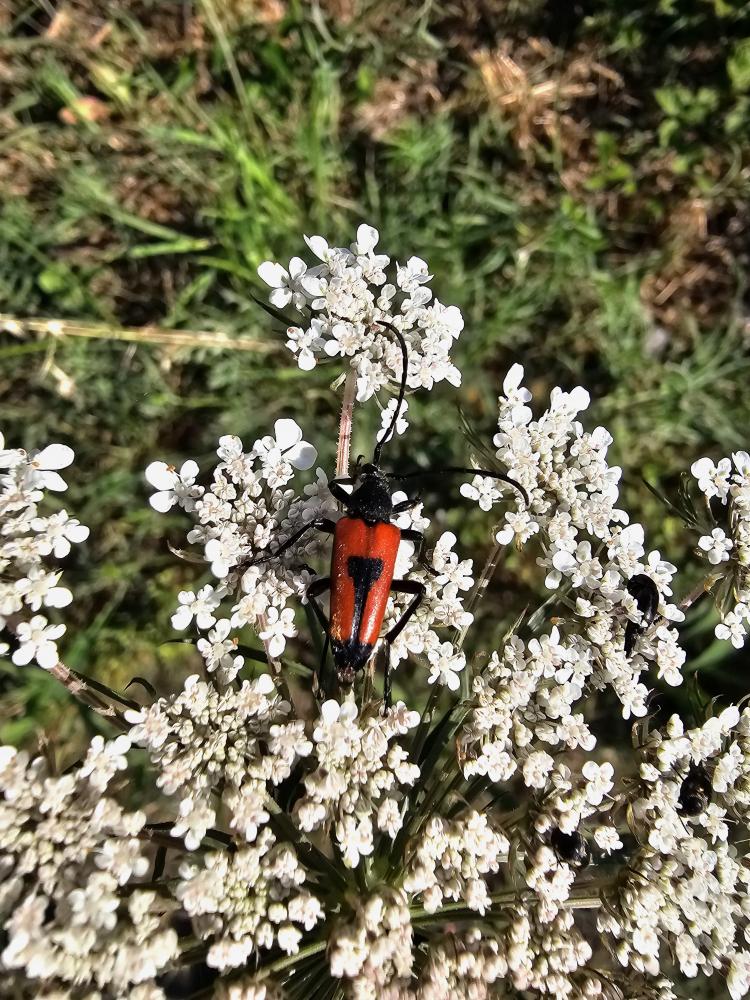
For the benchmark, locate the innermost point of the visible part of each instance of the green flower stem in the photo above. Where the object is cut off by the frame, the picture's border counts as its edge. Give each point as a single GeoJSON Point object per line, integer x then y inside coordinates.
{"type": "Point", "coordinates": [191, 955]}
{"type": "Point", "coordinates": [476, 595]}
{"type": "Point", "coordinates": [586, 900]}
{"type": "Point", "coordinates": [314, 948]}
{"type": "Point", "coordinates": [440, 789]}
{"type": "Point", "coordinates": [106, 691]}
{"type": "Point", "coordinates": [500, 899]}
{"type": "Point", "coordinates": [478, 592]}
{"type": "Point", "coordinates": [301, 978]}
{"type": "Point", "coordinates": [161, 887]}
{"type": "Point", "coordinates": [701, 590]}
{"type": "Point", "coordinates": [477, 785]}
{"type": "Point", "coordinates": [425, 722]}
{"type": "Point", "coordinates": [444, 784]}
{"type": "Point", "coordinates": [510, 819]}
{"type": "Point", "coordinates": [312, 855]}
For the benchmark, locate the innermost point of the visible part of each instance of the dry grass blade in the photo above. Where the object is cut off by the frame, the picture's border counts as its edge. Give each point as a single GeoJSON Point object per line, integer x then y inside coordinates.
{"type": "Point", "coordinates": [19, 326]}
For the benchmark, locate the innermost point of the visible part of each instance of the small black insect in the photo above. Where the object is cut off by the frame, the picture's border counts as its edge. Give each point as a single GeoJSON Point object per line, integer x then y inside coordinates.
{"type": "Point", "coordinates": [695, 791]}
{"type": "Point", "coordinates": [571, 847]}
{"type": "Point", "coordinates": [646, 594]}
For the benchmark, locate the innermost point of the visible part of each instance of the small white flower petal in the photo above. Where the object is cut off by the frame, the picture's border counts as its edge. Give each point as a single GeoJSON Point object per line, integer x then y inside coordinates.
{"type": "Point", "coordinates": [46, 656]}
{"type": "Point", "coordinates": [287, 433]}
{"type": "Point", "coordinates": [302, 456]}
{"type": "Point", "coordinates": [52, 481]}
{"type": "Point", "coordinates": [513, 379]}
{"type": "Point", "coordinates": [318, 245]}
{"type": "Point", "coordinates": [273, 274]}
{"type": "Point", "coordinates": [162, 501]}
{"type": "Point", "coordinates": [330, 711]}
{"type": "Point", "coordinates": [160, 475]}
{"type": "Point", "coordinates": [189, 470]}
{"type": "Point", "coordinates": [55, 456]}
{"type": "Point", "coordinates": [367, 238]}
{"type": "Point", "coordinates": [297, 267]}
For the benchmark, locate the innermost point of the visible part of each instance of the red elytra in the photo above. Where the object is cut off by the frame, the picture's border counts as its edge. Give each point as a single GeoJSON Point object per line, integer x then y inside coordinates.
{"type": "Point", "coordinates": [362, 565]}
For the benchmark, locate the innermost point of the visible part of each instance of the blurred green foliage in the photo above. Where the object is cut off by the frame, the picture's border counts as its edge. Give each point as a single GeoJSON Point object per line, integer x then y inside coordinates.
{"type": "Point", "coordinates": [576, 175]}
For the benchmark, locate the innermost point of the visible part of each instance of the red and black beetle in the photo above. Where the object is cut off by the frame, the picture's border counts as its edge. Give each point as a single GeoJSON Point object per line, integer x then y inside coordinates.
{"type": "Point", "coordinates": [365, 547]}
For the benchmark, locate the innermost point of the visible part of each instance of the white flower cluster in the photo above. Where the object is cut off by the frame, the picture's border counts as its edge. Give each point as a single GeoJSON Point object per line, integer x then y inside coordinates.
{"type": "Point", "coordinates": [728, 483]}
{"type": "Point", "coordinates": [237, 740]}
{"type": "Point", "coordinates": [248, 512]}
{"type": "Point", "coordinates": [568, 799]}
{"type": "Point", "coordinates": [373, 949]}
{"type": "Point", "coordinates": [548, 957]}
{"type": "Point", "coordinates": [441, 608]}
{"type": "Point", "coordinates": [451, 859]}
{"type": "Point", "coordinates": [248, 900]}
{"type": "Point", "coordinates": [546, 960]}
{"type": "Point", "coordinates": [326, 853]}
{"type": "Point", "coordinates": [566, 802]}
{"type": "Point", "coordinates": [588, 549]}
{"type": "Point", "coordinates": [685, 888]}
{"type": "Point", "coordinates": [359, 779]}
{"type": "Point", "coordinates": [65, 850]}
{"type": "Point", "coordinates": [524, 697]}
{"type": "Point", "coordinates": [247, 988]}
{"type": "Point", "coordinates": [27, 539]}
{"type": "Point", "coordinates": [463, 967]}
{"type": "Point", "coordinates": [343, 299]}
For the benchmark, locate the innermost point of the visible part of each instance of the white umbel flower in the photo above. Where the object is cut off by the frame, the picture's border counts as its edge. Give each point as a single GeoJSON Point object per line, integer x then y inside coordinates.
{"type": "Point", "coordinates": [359, 769]}
{"type": "Point", "coordinates": [27, 540]}
{"type": "Point", "coordinates": [346, 300]}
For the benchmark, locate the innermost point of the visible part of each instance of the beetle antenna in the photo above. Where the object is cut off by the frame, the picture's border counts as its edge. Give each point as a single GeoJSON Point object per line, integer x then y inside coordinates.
{"type": "Point", "coordinates": [390, 431]}
{"type": "Point", "coordinates": [460, 470]}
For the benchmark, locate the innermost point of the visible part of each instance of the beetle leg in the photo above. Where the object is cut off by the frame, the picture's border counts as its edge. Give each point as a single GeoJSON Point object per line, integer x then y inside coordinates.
{"type": "Point", "coordinates": [314, 590]}
{"type": "Point", "coordinates": [335, 487]}
{"type": "Point", "coordinates": [412, 535]}
{"type": "Point", "coordinates": [413, 587]}
{"type": "Point", "coordinates": [318, 674]}
{"type": "Point", "coordinates": [387, 676]}
{"type": "Point", "coordinates": [408, 504]}
{"type": "Point", "coordinates": [417, 589]}
{"type": "Point", "coordinates": [320, 524]}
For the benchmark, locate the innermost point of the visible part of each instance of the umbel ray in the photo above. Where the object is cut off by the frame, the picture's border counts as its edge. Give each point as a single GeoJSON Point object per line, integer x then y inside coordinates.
{"type": "Point", "coordinates": [363, 556]}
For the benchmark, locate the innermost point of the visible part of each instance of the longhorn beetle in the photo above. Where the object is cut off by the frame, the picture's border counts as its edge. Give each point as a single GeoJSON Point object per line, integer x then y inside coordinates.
{"type": "Point", "coordinates": [365, 547]}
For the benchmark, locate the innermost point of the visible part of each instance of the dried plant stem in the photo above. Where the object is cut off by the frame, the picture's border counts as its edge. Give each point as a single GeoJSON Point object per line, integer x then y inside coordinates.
{"type": "Point", "coordinates": [273, 662]}
{"type": "Point", "coordinates": [342, 468]}
{"type": "Point", "coordinates": [480, 587]}
{"type": "Point", "coordinates": [476, 595]}
{"type": "Point", "coordinates": [142, 335]}
{"type": "Point", "coordinates": [697, 592]}
{"type": "Point", "coordinates": [345, 425]}
{"type": "Point", "coordinates": [87, 695]}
